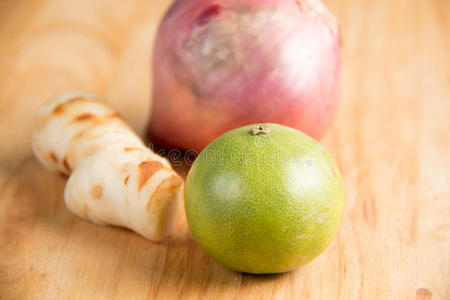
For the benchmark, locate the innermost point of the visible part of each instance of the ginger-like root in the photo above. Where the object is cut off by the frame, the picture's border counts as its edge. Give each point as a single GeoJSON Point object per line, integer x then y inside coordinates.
{"type": "Point", "coordinates": [114, 178]}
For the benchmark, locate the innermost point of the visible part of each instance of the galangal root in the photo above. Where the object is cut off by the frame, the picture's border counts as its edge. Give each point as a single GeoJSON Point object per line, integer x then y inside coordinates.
{"type": "Point", "coordinates": [114, 178]}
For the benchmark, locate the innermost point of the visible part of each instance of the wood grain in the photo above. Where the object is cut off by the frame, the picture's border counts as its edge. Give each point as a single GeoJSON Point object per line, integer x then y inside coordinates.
{"type": "Point", "coordinates": [391, 140]}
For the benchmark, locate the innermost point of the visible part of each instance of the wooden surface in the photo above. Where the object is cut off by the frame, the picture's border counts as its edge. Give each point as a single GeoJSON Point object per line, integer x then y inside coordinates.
{"type": "Point", "coordinates": [391, 140]}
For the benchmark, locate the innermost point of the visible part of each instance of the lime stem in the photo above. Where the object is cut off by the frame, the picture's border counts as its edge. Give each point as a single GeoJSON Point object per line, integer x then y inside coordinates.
{"type": "Point", "coordinates": [260, 129]}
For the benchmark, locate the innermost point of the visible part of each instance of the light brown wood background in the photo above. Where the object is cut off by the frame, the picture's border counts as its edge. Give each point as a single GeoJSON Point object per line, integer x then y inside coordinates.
{"type": "Point", "coordinates": [391, 139]}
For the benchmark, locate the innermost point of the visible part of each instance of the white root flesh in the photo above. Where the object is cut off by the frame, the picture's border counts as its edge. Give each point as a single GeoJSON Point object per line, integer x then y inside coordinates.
{"type": "Point", "coordinates": [114, 178]}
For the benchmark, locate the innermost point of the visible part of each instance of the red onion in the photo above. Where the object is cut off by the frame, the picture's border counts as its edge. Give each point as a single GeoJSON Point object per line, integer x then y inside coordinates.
{"type": "Point", "coordinates": [221, 64]}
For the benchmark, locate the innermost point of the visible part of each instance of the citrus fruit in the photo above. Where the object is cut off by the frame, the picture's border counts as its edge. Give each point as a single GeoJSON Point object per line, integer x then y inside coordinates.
{"type": "Point", "coordinates": [264, 198]}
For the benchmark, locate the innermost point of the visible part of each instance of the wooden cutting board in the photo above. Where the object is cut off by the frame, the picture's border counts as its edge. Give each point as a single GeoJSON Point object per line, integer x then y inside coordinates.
{"type": "Point", "coordinates": [391, 139]}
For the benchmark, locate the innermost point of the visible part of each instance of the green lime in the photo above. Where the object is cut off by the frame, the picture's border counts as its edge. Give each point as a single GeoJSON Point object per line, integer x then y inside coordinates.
{"type": "Point", "coordinates": [264, 199]}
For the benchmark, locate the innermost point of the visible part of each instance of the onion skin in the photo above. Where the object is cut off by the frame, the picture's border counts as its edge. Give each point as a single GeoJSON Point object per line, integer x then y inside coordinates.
{"type": "Point", "coordinates": [222, 64]}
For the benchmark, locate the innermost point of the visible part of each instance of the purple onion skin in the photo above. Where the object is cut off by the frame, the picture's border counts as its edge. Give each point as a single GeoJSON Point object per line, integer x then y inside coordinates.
{"type": "Point", "coordinates": [219, 65]}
